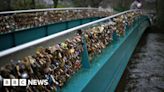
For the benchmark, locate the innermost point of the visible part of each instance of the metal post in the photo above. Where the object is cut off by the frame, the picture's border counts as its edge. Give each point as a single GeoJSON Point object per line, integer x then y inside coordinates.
{"type": "Point", "coordinates": [85, 57]}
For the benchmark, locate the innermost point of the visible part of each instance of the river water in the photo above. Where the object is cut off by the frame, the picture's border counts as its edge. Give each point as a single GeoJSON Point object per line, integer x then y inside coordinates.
{"type": "Point", "coordinates": [145, 70]}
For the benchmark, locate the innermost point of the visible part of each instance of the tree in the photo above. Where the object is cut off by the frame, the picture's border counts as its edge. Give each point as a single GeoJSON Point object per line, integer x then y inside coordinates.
{"type": "Point", "coordinates": [55, 3]}
{"type": "Point", "coordinates": [160, 13]}
{"type": "Point", "coordinates": [5, 5]}
{"type": "Point", "coordinates": [33, 4]}
{"type": "Point", "coordinates": [95, 3]}
{"type": "Point", "coordinates": [85, 3]}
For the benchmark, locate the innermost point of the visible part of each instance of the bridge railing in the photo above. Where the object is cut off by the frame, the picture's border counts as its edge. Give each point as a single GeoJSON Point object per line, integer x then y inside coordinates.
{"type": "Point", "coordinates": [29, 48]}
{"type": "Point", "coordinates": [24, 19]}
{"type": "Point", "coordinates": [105, 71]}
{"type": "Point", "coordinates": [44, 10]}
{"type": "Point", "coordinates": [42, 22]}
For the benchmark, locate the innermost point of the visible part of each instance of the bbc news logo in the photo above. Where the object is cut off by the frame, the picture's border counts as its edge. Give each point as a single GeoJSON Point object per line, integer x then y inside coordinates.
{"type": "Point", "coordinates": [24, 82]}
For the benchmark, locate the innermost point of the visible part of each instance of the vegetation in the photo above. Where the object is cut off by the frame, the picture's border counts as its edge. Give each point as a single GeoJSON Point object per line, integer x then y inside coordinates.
{"type": "Point", "coordinates": [6, 5]}
{"type": "Point", "coordinates": [86, 3]}
{"type": "Point", "coordinates": [22, 4]}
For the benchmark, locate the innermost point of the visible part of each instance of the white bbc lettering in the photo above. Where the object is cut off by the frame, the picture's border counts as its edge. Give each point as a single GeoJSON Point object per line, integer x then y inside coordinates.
{"type": "Point", "coordinates": [37, 82]}
{"type": "Point", "coordinates": [45, 82]}
{"type": "Point", "coordinates": [22, 82]}
{"type": "Point", "coordinates": [32, 82]}
{"type": "Point", "coordinates": [40, 82]}
{"type": "Point", "coordinates": [6, 82]}
{"type": "Point", "coordinates": [14, 82]}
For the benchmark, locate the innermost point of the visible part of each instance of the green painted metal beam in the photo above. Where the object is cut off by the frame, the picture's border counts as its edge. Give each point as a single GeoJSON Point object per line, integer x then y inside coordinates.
{"type": "Point", "coordinates": [6, 41]}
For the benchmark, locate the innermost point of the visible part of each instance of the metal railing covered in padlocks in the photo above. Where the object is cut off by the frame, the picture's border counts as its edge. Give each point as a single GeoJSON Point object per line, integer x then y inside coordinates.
{"type": "Point", "coordinates": [24, 19]}
{"type": "Point", "coordinates": [19, 27]}
{"type": "Point", "coordinates": [59, 62]}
